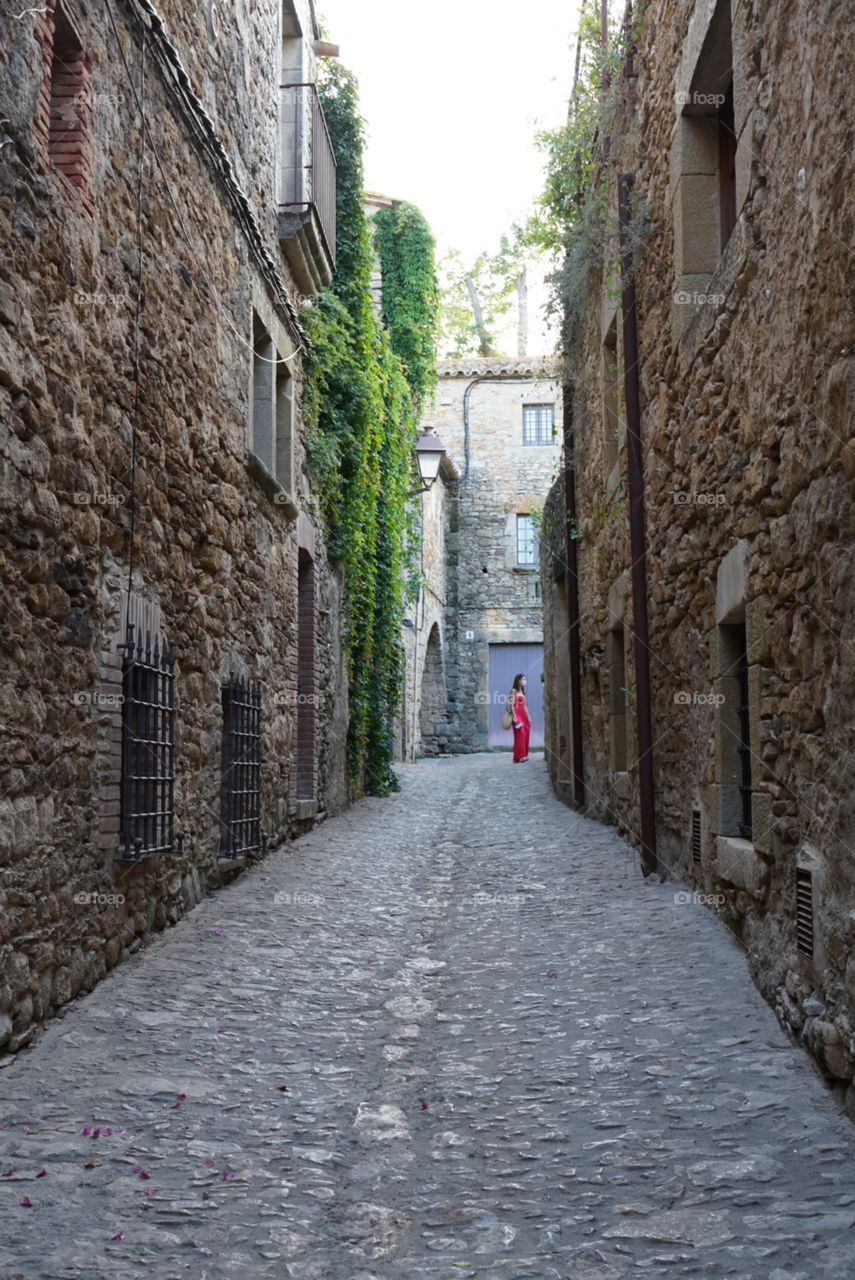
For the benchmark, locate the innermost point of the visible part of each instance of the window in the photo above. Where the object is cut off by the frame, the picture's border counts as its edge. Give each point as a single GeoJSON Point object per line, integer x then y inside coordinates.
{"type": "Point", "coordinates": [63, 126]}
{"type": "Point", "coordinates": [272, 426]}
{"type": "Point", "coordinates": [148, 748]}
{"type": "Point", "coordinates": [527, 547]}
{"type": "Point", "coordinates": [538, 424]}
{"type": "Point", "coordinates": [241, 773]}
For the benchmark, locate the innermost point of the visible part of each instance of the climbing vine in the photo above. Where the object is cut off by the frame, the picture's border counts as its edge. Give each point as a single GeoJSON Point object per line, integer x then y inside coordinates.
{"type": "Point", "coordinates": [360, 411]}
{"type": "Point", "coordinates": [410, 293]}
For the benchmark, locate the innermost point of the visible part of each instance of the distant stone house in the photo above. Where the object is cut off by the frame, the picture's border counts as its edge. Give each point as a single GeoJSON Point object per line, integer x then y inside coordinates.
{"type": "Point", "coordinates": [733, 122]}
{"type": "Point", "coordinates": [174, 696]}
{"type": "Point", "coordinates": [481, 612]}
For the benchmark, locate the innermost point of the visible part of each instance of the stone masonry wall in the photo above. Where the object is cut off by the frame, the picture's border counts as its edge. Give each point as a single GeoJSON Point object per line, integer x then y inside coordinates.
{"type": "Point", "coordinates": [215, 556]}
{"type": "Point", "coordinates": [491, 600]}
{"type": "Point", "coordinates": [748, 423]}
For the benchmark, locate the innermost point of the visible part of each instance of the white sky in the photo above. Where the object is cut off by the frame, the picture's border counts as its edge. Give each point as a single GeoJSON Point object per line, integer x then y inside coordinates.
{"type": "Point", "coordinates": [452, 93]}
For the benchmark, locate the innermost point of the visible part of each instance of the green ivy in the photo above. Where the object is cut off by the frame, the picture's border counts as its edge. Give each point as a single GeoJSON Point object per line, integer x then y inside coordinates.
{"type": "Point", "coordinates": [360, 412]}
{"type": "Point", "coordinates": [406, 248]}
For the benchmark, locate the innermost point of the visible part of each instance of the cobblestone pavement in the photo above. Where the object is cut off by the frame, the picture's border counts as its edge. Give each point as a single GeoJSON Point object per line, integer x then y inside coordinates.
{"type": "Point", "coordinates": [449, 1033]}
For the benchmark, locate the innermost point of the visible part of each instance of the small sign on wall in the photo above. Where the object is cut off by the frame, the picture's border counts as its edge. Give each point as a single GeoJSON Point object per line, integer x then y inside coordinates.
{"type": "Point", "coordinates": [470, 635]}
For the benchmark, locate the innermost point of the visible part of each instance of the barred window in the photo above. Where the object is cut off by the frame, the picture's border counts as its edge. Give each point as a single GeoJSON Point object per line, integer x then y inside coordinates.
{"type": "Point", "coordinates": [538, 424]}
{"type": "Point", "coordinates": [527, 546]}
{"type": "Point", "coordinates": [148, 748]}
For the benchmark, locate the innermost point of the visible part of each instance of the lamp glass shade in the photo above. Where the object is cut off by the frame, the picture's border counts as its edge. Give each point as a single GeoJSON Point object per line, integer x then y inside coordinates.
{"type": "Point", "coordinates": [429, 452]}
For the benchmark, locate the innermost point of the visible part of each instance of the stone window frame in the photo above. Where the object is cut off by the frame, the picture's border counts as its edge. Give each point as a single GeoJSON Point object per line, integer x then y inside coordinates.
{"type": "Point", "coordinates": [537, 442]}
{"type": "Point", "coordinates": [710, 80]}
{"type": "Point", "coordinates": [532, 565]}
{"type": "Point", "coordinates": [740, 863]}
{"type": "Point", "coordinates": [272, 426]}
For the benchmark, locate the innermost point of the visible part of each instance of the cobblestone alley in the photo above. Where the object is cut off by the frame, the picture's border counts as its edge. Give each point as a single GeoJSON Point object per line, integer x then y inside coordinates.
{"type": "Point", "coordinates": [449, 1033]}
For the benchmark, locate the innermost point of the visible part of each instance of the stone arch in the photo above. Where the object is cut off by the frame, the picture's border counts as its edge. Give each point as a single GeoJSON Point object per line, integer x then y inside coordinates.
{"type": "Point", "coordinates": [432, 701]}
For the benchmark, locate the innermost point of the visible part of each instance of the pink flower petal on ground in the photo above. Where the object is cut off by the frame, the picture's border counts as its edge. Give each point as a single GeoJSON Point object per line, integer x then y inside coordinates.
{"type": "Point", "coordinates": [86, 1131]}
{"type": "Point", "coordinates": [552, 974]}
{"type": "Point", "coordinates": [42, 1173]}
{"type": "Point", "coordinates": [120, 1235]}
{"type": "Point", "coordinates": [7, 1174]}
{"type": "Point", "coordinates": [106, 1133]}
{"type": "Point", "coordinates": [219, 931]}
{"type": "Point", "coordinates": [228, 1174]}
{"type": "Point", "coordinates": [25, 1202]}
{"type": "Point", "coordinates": [423, 1106]}
{"type": "Point", "coordinates": [96, 1133]}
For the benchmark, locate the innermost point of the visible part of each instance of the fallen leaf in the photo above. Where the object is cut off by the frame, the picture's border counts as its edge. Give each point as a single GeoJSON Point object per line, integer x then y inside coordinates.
{"type": "Point", "coordinates": [283, 1088]}
{"type": "Point", "coordinates": [92, 1164]}
{"type": "Point", "coordinates": [42, 1173]}
{"type": "Point", "coordinates": [7, 1174]}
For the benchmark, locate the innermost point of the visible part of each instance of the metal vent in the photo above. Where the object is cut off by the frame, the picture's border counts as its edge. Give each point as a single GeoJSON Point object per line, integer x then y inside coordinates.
{"type": "Point", "coordinates": [696, 837]}
{"type": "Point", "coordinates": [804, 911]}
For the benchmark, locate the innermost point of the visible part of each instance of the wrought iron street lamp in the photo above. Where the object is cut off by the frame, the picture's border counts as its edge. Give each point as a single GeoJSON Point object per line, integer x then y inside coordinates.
{"type": "Point", "coordinates": [429, 454]}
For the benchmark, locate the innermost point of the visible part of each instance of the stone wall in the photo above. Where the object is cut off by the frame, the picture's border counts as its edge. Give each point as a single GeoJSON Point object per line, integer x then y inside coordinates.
{"type": "Point", "coordinates": [213, 563]}
{"type": "Point", "coordinates": [747, 401]}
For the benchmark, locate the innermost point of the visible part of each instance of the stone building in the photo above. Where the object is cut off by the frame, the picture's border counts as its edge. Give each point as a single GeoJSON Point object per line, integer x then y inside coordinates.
{"type": "Point", "coordinates": [481, 608]}
{"type": "Point", "coordinates": [733, 120]}
{"type": "Point", "coordinates": [173, 693]}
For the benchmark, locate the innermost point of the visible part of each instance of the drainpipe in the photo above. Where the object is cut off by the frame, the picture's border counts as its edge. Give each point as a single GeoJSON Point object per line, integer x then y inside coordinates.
{"type": "Point", "coordinates": [485, 377]}
{"type": "Point", "coordinates": [574, 632]}
{"type": "Point", "coordinates": [637, 542]}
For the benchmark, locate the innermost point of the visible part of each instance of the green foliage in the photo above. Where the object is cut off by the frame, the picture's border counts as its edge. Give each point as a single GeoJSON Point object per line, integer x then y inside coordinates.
{"type": "Point", "coordinates": [577, 210]}
{"type": "Point", "coordinates": [359, 410]}
{"type": "Point", "coordinates": [493, 278]}
{"type": "Point", "coordinates": [410, 294]}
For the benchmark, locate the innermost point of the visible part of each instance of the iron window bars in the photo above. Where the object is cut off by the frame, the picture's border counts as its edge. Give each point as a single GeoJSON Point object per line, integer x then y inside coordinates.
{"type": "Point", "coordinates": [241, 782]}
{"type": "Point", "coordinates": [538, 423]}
{"type": "Point", "coordinates": [148, 749]}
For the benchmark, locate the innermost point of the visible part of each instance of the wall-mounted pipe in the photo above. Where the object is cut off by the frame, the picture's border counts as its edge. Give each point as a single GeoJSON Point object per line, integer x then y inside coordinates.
{"type": "Point", "coordinates": [484, 377]}
{"type": "Point", "coordinates": [637, 541]}
{"type": "Point", "coordinates": [573, 621]}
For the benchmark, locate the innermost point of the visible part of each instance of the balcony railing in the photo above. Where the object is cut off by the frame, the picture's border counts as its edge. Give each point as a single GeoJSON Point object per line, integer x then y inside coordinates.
{"type": "Point", "coordinates": [308, 162]}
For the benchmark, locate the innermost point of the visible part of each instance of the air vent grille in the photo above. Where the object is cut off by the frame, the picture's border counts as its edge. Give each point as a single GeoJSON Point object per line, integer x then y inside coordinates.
{"type": "Point", "coordinates": [804, 911]}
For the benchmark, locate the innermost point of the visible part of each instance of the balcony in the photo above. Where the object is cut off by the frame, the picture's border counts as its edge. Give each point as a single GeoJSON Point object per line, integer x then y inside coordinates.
{"type": "Point", "coordinates": [307, 188]}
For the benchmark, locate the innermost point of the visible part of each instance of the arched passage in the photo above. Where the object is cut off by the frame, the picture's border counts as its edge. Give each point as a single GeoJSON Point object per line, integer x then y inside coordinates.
{"type": "Point", "coordinates": [432, 702]}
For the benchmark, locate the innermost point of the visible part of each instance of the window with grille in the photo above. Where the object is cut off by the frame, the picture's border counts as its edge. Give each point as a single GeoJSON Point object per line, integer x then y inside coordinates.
{"type": "Point", "coordinates": [241, 784]}
{"type": "Point", "coordinates": [527, 547]}
{"type": "Point", "coordinates": [148, 748]}
{"type": "Point", "coordinates": [538, 423]}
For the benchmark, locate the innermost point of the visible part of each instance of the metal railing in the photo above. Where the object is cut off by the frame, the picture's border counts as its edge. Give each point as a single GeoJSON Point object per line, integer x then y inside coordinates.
{"type": "Point", "coordinates": [310, 182]}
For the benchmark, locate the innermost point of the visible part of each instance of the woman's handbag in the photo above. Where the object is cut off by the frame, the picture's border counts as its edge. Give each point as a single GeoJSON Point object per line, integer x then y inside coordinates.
{"type": "Point", "coordinates": [507, 718]}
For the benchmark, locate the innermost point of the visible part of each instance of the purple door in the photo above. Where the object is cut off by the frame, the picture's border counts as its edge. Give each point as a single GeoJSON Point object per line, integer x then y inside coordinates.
{"type": "Point", "coordinates": [506, 660]}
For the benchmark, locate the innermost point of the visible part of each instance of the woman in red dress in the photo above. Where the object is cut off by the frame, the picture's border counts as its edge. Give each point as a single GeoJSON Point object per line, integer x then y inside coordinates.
{"type": "Point", "coordinates": [521, 718]}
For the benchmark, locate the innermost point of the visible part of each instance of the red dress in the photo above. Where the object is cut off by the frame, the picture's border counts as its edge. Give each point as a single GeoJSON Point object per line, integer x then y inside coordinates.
{"type": "Point", "coordinates": [521, 717]}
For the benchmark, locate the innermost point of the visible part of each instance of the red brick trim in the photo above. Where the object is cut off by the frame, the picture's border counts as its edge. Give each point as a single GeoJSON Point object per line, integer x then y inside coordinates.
{"type": "Point", "coordinates": [63, 124]}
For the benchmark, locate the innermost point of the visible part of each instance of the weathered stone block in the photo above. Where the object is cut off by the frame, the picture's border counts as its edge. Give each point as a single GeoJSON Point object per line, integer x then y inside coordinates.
{"type": "Point", "coordinates": [738, 863]}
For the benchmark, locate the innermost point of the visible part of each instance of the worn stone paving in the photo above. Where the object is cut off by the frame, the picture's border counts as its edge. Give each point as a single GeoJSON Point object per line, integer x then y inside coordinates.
{"type": "Point", "coordinates": [449, 1033]}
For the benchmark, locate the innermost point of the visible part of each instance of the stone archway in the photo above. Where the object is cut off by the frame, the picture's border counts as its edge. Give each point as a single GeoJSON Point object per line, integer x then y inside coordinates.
{"type": "Point", "coordinates": [432, 701]}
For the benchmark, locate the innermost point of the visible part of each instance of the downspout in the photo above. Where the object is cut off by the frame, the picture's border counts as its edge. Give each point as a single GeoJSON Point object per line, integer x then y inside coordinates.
{"type": "Point", "coordinates": [484, 377]}
{"type": "Point", "coordinates": [635, 484]}
{"type": "Point", "coordinates": [573, 620]}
